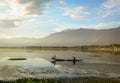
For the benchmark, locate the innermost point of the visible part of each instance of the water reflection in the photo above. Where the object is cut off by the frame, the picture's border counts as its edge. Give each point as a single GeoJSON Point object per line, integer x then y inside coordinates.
{"type": "Point", "coordinates": [55, 62]}
{"type": "Point", "coordinates": [39, 64]}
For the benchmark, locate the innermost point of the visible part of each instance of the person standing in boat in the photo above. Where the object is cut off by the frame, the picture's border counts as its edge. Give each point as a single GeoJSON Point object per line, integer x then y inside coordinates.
{"type": "Point", "coordinates": [54, 57]}
{"type": "Point", "coordinates": [74, 60]}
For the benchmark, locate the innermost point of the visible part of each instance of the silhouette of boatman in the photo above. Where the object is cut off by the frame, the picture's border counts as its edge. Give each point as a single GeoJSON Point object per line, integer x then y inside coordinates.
{"type": "Point", "coordinates": [74, 60]}
{"type": "Point", "coordinates": [54, 57]}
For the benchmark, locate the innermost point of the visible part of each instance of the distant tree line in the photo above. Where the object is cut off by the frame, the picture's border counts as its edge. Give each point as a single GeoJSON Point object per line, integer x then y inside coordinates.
{"type": "Point", "coordinates": [111, 47]}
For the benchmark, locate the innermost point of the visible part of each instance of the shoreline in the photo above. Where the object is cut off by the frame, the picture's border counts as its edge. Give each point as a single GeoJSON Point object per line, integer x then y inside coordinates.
{"type": "Point", "coordinates": [112, 48]}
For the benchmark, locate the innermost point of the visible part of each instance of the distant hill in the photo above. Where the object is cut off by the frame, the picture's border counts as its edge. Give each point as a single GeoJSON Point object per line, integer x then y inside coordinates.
{"type": "Point", "coordinates": [69, 37]}
{"type": "Point", "coordinates": [82, 37]}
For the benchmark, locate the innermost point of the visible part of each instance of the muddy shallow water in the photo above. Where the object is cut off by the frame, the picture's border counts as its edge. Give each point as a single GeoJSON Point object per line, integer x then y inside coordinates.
{"type": "Point", "coordinates": [37, 64]}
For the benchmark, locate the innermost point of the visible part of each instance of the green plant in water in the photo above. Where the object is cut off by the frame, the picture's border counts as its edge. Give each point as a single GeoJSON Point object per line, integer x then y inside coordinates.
{"type": "Point", "coordinates": [17, 59]}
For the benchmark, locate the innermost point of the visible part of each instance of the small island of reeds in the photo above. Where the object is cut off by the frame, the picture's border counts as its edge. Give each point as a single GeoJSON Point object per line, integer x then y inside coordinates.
{"type": "Point", "coordinates": [17, 59]}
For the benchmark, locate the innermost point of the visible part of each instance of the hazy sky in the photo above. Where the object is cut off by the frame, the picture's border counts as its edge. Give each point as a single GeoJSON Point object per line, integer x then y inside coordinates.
{"type": "Point", "coordinates": [38, 18]}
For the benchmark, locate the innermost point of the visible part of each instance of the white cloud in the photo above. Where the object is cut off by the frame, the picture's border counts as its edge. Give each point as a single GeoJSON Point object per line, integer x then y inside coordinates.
{"type": "Point", "coordinates": [76, 13]}
{"type": "Point", "coordinates": [7, 23]}
{"type": "Point", "coordinates": [11, 10]}
{"type": "Point", "coordinates": [62, 3]}
{"type": "Point", "coordinates": [108, 13]}
{"type": "Point", "coordinates": [14, 9]}
{"type": "Point", "coordinates": [33, 7]}
{"type": "Point", "coordinates": [111, 4]}
{"type": "Point", "coordinates": [107, 25]}
{"type": "Point", "coordinates": [109, 8]}
{"type": "Point", "coordinates": [66, 27]}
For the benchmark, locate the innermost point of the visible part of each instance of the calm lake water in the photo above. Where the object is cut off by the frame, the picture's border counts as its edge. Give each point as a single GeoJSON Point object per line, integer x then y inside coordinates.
{"type": "Point", "coordinates": [38, 64]}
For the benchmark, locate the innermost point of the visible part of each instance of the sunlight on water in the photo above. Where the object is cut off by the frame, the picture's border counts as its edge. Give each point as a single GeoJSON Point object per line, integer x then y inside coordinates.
{"type": "Point", "coordinates": [38, 64]}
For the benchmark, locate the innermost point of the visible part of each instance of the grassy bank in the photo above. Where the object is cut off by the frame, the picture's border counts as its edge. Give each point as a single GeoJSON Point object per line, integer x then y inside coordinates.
{"type": "Point", "coordinates": [67, 80]}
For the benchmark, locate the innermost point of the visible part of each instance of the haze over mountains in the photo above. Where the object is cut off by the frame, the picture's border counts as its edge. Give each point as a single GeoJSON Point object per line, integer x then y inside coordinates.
{"type": "Point", "coordinates": [75, 37]}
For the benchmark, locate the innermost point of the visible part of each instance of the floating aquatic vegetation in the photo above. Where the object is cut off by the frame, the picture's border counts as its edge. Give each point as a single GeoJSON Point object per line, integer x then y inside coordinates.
{"type": "Point", "coordinates": [17, 59]}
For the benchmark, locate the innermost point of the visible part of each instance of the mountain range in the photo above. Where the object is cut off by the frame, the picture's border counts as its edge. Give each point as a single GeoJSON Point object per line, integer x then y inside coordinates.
{"type": "Point", "coordinates": [70, 37]}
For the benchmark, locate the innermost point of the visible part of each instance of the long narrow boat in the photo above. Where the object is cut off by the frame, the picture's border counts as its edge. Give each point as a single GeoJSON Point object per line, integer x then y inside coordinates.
{"type": "Point", "coordinates": [66, 59]}
{"type": "Point", "coordinates": [73, 60]}
{"type": "Point", "coordinates": [59, 59]}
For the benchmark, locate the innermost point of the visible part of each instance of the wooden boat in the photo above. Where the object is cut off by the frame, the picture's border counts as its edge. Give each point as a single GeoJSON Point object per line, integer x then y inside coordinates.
{"type": "Point", "coordinates": [54, 60]}
{"type": "Point", "coordinates": [74, 59]}
{"type": "Point", "coordinates": [66, 59]}
{"type": "Point", "coordinates": [59, 59]}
